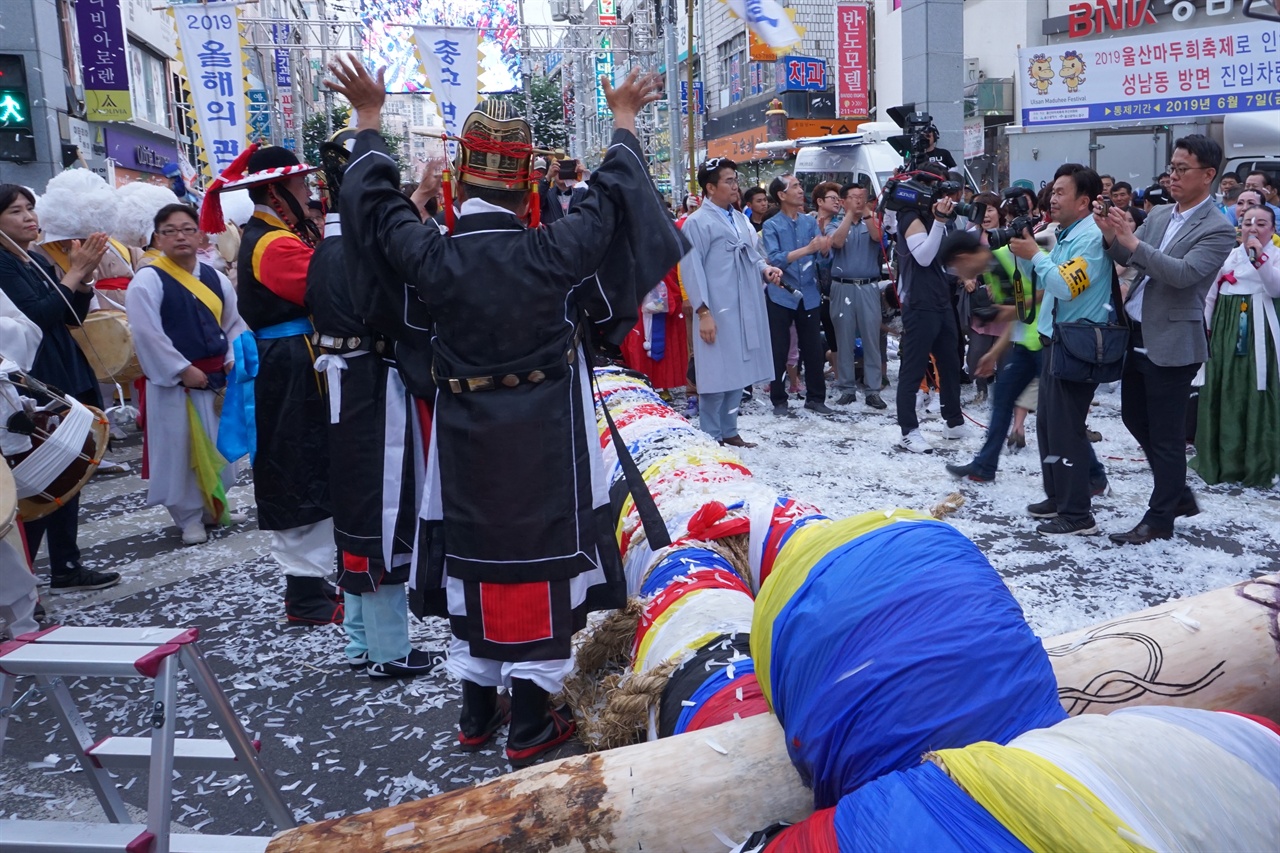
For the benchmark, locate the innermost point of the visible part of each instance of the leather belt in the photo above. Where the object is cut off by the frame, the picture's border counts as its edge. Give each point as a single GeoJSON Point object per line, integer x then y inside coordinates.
{"type": "Point", "coordinates": [857, 280]}
{"type": "Point", "coordinates": [337, 344]}
{"type": "Point", "coordinates": [506, 380]}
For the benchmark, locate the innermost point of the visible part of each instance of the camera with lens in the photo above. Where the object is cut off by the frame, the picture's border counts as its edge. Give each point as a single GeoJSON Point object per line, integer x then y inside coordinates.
{"type": "Point", "coordinates": [1016, 205]}
{"type": "Point", "coordinates": [919, 191]}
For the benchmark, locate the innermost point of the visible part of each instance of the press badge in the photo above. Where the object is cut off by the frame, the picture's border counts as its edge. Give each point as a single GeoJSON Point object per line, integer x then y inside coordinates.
{"type": "Point", "coordinates": [1075, 273]}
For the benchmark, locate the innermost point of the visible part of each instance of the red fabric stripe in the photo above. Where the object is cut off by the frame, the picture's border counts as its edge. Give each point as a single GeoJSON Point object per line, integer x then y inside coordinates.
{"type": "Point", "coordinates": [119, 282]}
{"type": "Point", "coordinates": [814, 834]}
{"type": "Point", "coordinates": [352, 563]}
{"type": "Point", "coordinates": [1262, 721]}
{"type": "Point", "coordinates": [721, 707]}
{"type": "Point", "coordinates": [516, 612]}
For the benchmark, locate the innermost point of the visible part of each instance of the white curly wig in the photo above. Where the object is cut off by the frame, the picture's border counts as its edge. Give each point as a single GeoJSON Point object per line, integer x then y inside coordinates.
{"type": "Point", "coordinates": [75, 204]}
{"type": "Point", "coordinates": [136, 206]}
{"type": "Point", "coordinates": [237, 207]}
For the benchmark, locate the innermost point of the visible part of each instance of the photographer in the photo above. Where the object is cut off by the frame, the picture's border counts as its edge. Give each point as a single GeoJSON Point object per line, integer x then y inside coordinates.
{"type": "Point", "coordinates": [1077, 280]}
{"type": "Point", "coordinates": [855, 295]}
{"type": "Point", "coordinates": [793, 243]}
{"type": "Point", "coordinates": [928, 323]}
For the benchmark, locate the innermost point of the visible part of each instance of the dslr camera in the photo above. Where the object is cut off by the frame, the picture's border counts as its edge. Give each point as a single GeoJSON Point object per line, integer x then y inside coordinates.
{"type": "Point", "coordinates": [1016, 205]}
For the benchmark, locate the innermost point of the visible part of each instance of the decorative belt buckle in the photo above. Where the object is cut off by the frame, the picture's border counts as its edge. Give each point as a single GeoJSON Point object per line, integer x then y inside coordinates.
{"type": "Point", "coordinates": [480, 383]}
{"type": "Point", "coordinates": [537, 376]}
{"type": "Point", "coordinates": [511, 380]}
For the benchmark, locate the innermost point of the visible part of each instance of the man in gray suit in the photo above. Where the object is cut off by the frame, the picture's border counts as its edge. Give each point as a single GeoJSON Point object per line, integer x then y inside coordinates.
{"type": "Point", "coordinates": [1178, 252]}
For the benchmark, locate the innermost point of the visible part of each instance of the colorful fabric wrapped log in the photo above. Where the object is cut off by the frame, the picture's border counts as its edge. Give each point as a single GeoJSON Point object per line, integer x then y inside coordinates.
{"type": "Point", "coordinates": [884, 635]}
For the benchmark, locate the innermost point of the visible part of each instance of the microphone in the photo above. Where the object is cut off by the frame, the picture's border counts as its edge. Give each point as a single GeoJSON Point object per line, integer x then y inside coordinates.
{"type": "Point", "coordinates": [1253, 255]}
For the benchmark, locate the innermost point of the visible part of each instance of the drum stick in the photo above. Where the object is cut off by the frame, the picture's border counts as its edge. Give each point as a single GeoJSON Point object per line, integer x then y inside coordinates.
{"type": "Point", "coordinates": [8, 243]}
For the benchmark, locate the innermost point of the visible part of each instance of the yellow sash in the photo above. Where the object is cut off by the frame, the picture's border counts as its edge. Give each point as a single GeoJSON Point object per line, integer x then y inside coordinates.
{"type": "Point", "coordinates": [62, 258]}
{"type": "Point", "coordinates": [197, 287]}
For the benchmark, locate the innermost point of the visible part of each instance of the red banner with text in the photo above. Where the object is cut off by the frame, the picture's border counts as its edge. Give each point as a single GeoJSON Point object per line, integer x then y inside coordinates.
{"type": "Point", "coordinates": [852, 61]}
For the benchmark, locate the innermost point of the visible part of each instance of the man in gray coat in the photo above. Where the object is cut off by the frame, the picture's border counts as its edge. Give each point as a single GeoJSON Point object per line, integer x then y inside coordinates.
{"type": "Point", "coordinates": [1178, 252]}
{"type": "Point", "coordinates": [724, 275]}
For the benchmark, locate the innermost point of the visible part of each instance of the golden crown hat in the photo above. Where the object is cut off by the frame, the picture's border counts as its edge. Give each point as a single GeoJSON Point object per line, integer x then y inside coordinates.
{"type": "Point", "coordinates": [496, 149]}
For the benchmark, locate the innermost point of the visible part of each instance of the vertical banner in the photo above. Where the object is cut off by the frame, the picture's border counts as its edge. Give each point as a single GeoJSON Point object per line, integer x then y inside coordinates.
{"type": "Point", "coordinates": [608, 12]}
{"type": "Point", "coordinates": [768, 20]}
{"type": "Point", "coordinates": [852, 61]}
{"type": "Point", "coordinates": [603, 68]}
{"type": "Point", "coordinates": [105, 62]}
{"type": "Point", "coordinates": [280, 34]}
{"type": "Point", "coordinates": [209, 39]}
{"type": "Point", "coordinates": [451, 60]}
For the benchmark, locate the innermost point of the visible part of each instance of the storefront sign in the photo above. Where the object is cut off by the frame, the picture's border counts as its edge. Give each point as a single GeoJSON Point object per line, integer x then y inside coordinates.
{"type": "Point", "coordinates": [799, 128]}
{"type": "Point", "coordinates": [699, 102]}
{"type": "Point", "coordinates": [105, 62]}
{"type": "Point", "coordinates": [974, 140]}
{"type": "Point", "coordinates": [1170, 75]}
{"type": "Point", "coordinates": [853, 84]}
{"type": "Point", "coordinates": [739, 146]}
{"type": "Point", "coordinates": [758, 51]}
{"type": "Point", "coordinates": [608, 10]}
{"type": "Point", "coordinates": [141, 152]}
{"type": "Point", "coordinates": [802, 74]}
{"type": "Point", "coordinates": [210, 39]}
{"type": "Point", "coordinates": [1109, 16]}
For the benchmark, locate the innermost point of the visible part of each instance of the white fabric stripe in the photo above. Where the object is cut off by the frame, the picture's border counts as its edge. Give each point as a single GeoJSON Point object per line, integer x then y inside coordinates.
{"type": "Point", "coordinates": [392, 461]}
{"type": "Point", "coordinates": [35, 473]}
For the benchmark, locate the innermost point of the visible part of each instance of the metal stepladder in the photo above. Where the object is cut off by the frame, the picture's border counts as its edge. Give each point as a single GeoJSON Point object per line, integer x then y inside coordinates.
{"type": "Point", "coordinates": [58, 654]}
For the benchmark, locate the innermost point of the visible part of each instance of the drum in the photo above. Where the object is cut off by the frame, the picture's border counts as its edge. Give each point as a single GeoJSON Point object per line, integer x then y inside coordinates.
{"type": "Point", "coordinates": [8, 501]}
{"type": "Point", "coordinates": [67, 445]}
{"type": "Point", "coordinates": [106, 341]}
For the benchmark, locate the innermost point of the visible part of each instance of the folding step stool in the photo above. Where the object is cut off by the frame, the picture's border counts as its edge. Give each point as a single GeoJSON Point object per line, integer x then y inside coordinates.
{"type": "Point", "coordinates": [57, 653]}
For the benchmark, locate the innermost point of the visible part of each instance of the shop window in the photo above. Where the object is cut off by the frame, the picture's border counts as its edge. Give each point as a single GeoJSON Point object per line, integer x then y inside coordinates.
{"type": "Point", "coordinates": [149, 85]}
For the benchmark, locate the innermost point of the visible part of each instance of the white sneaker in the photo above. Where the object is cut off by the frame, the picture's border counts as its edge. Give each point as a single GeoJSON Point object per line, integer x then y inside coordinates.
{"type": "Point", "coordinates": [915, 442]}
{"type": "Point", "coordinates": [194, 534]}
{"type": "Point", "coordinates": [956, 432]}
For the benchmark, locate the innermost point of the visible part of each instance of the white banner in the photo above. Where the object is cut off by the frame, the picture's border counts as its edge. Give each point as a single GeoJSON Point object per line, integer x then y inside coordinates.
{"type": "Point", "coordinates": [209, 39]}
{"type": "Point", "coordinates": [1171, 75]}
{"type": "Point", "coordinates": [451, 60]}
{"type": "Point", "coordinates": [768, 20]}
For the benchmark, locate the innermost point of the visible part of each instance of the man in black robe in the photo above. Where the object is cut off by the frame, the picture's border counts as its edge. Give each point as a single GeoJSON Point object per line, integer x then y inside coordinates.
{"type": "Point", "coordinates": [516, 540]}
{"type": "Point", "coordinates": [377, 459]}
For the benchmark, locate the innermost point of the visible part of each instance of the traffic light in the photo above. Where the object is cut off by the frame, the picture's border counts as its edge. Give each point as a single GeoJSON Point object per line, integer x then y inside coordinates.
{"type": "Point", "coordinates": [17, 140]}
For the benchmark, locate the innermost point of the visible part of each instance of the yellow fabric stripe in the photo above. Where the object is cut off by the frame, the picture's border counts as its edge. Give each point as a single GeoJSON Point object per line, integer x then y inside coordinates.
{"type": "Point", "coordinates": [270, 219]}
{"type": "Point", "coordinates": [197, 288]}
{"type": "Point", "coordinates": [260, 249]}
{"type": "Point", "coordinates": [1044, 807]}
{"type": "Point", "coordinates": [59, 257]}
{"type": "Point", "coordinates": [803, 550]}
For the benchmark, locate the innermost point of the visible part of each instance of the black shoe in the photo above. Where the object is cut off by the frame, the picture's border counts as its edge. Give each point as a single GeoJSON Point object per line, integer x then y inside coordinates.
{"type": "Point", "coordinates": [1093, 435]}
{"type": "Point", "coordinates": [307, 602]}
{"type": "Point", "coordinates": [780, 410]}
{"type": "Point", "coordinates": [483, 713]}
{"type": "Point", "coordinates": [535, 727]}
{"type": "Point", "coordinates": [1062, 527]}
{"type": "Point", "coordinates": [1098, 489]}
{"type": "Point", "coordinates": [874, 401]}
{"type": "Point", "coordinates": [846, 399]}
{"type": "Point", "coordinates": [416, 663]}
{"type": "Point", "coordinates": [82, 579]}
{"type": "Point", "coordinates": [360, 662]}
{"type": "Point", "coordinates": [969, 471]}
{"type": "Point", "coordinates": [1140, 535]}
{"type": "Point", "coordinates": [1044, 509]}
{"type": "Point", "coordinates": [1187, 507]}
{"type": "Point", "coordinates": [819, 408]}
{"type": "Point", "coordinates": [38, 614]}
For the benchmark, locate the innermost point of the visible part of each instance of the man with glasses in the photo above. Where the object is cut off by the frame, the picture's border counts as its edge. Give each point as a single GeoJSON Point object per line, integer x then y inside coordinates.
{"type": "Point", "coordinates": [855, 295]}
{"type": "Point", "coordinates": [1178, 252]}
{"type": "Point", "coordinates": [793, 244]}
{"type": "Point", "coordinates": [724, 273]}
{"type": "Point", "coordinates": [182, 313]}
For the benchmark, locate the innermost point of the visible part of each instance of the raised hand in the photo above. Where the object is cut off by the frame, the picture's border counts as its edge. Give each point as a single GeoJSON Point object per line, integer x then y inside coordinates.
{"type": "Point", "coordinates": [365, 92]}
{"type": "Point", "coordinates": [634, 93]}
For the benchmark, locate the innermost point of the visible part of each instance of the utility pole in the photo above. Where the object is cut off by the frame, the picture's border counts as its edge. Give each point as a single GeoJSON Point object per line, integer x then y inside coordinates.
{"type": "Point", "coordinates": [693, 105]}
{"type": "Point", "coordinates": [674, 145]}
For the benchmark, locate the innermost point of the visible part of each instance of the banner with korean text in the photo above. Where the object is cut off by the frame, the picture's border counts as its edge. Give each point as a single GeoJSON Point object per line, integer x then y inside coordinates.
{"type": "Point", "coordinates": [1202, 72]}
{"type": "Point", "coordinates": [853, 61]}
{"type": "Point", "coordinates": [104, 60]}
{"type": "Point", "coordinates": [209, 43]}
{"type": "Point", "coordinates": [451, 61]}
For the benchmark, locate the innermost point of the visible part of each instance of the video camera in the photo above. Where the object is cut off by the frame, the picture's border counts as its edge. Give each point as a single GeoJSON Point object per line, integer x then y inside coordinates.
{"type": "Point", "coordinates": [1016, 204]}
{"type": "Point", "coordinates": [920, 190]}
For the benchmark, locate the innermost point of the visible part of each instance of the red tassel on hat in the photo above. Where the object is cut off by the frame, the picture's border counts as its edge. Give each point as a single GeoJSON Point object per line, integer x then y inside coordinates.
{"type": "Point", "coordinates": [446, 186]}
{"type": "Point", "coordinates": [211, 219]}
{"type": "Point", "coordinates": [535, 205]}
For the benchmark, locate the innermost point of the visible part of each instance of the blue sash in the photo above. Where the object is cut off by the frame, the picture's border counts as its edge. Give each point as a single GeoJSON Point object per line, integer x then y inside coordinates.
{"type": "Point", "coordinates": [237, 429]}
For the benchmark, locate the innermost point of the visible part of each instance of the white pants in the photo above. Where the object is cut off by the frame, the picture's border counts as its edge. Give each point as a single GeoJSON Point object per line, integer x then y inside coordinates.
{"type": "Point", "coordinates": [307, 551]}
{"type": "Point", "coordinates": [18, 595]}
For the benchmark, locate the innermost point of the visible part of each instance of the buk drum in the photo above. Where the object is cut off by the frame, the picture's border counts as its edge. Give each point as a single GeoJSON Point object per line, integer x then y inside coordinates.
{"type": "Point", "coordinates": [8, 501]}
{"type": "Point", "coordinates": [107, 343]}
{"type": "Point", "coordinates": [68, 441]}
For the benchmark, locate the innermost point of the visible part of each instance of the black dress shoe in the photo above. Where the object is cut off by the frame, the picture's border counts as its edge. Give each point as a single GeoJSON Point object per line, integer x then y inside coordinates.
{"type": "Point", "coordinates": [1140, 535]}
{"type": "Point", "coordinates": [1187, 507]}
{"type": "Point", "coordinates": [969, 471]}
{"type": "Point", "coordinates": [416, 663]}
{"type": "Point", "coordinates": [818, 408]}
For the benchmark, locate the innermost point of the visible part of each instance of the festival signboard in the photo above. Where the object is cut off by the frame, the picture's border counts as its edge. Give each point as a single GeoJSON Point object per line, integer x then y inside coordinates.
{"type": "Point", "coordinates": [1172, 75]}
{"type": "Point", "coordinates": [451, 59]}
{"type": "Point", "coordinates": [209, 40]}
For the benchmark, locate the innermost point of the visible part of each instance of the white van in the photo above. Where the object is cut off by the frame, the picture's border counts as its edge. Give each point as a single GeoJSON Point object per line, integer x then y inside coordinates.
{"type": "Point", "coordinates": [1251, 142]}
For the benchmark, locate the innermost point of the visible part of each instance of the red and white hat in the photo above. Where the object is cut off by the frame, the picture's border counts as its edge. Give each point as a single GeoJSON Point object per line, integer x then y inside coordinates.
{"type": "Point", "coordinates": [256, 166]}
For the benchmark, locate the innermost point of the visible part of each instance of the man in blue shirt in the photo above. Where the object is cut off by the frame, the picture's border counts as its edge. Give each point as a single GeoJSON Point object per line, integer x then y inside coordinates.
{"type": "Point", "coordinates": [792, 243]}
{"type": "Point", "coordinates": [1076, 278]}
{"type": "Point", "coordinates": [855, 294]}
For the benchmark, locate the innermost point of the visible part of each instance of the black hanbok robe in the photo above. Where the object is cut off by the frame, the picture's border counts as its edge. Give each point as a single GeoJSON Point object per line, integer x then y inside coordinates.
{"type": "Point", "coordinates": [376, 459]}
{"type": "Point", "coordinates": [516, 506]}
{"type": "Point", "coordinates": [291, 468]}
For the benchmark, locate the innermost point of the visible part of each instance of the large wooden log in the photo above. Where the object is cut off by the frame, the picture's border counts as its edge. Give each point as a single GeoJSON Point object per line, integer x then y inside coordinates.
{"type": "Point", "coordinates": [691, 792]}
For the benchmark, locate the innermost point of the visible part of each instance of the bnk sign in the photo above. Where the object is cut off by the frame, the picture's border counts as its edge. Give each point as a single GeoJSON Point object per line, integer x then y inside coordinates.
{"type": "Point", "coordinates": [1086, 19]}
